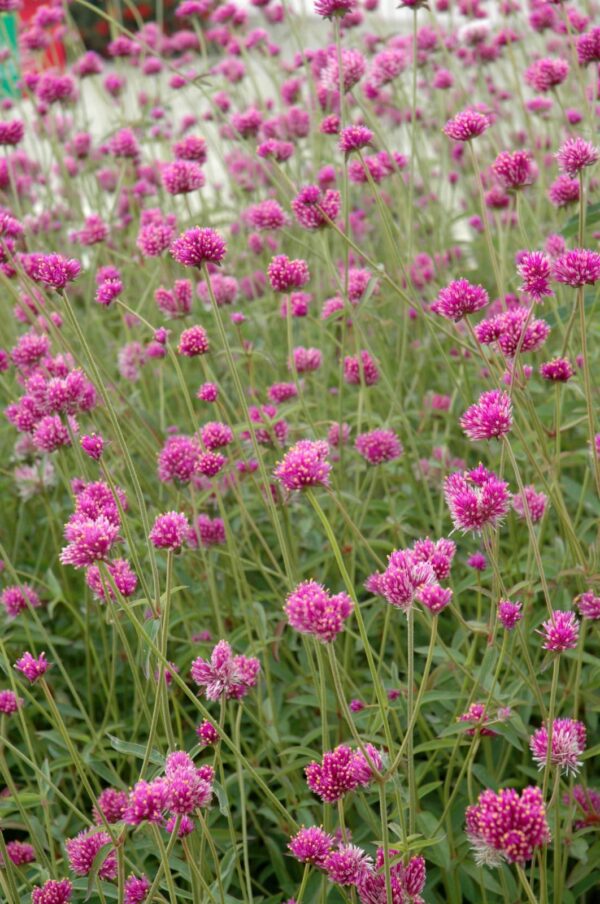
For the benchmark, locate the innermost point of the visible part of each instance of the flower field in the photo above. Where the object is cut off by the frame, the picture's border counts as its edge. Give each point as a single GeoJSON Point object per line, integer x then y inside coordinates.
{"type": "Point", "coordinates": [300, 482]}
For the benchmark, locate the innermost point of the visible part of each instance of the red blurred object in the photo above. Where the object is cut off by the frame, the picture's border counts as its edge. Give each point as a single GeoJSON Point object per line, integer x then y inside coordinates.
{"type": "Point", "coordinates": [52, 58]}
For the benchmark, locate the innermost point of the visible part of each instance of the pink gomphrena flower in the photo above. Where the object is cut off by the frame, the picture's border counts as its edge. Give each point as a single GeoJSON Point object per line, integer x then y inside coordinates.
{"type": "Point", "coordinates": [347, 864]}
{"type": "Point", "coordinates": [306, 359]}
{"type": "Point", "coordinates": [575, 154]}
{"type": "Point", "coordinates": [405, 578]}
{"type": "Point", "coordinates": [547, 73]}
{"type": "Point", "coordinates": [534, 268]}
{"type": "Point", "coordinates": [16, 599]}
{"type": "Point", "coordinates": [156, 232]}
{"type": "Point", "coordinates": [477, 561]}
{"type": "Point", "coordinates": [182, 177]}
{"type": "Point", "coordinates": [314, 209]}
{"type": "Point", "coordinates": [477, 717]}
{"type": "Point", "coordinates": [89, 540]}
{"type": "Point", "coordinates": [11, 132]}
{"type": "Point", "coordinates": [476, 498]}
{"type": "Point", "coordinates": [341, 770]}
{"type": "Point", "coordinates": [311, 845]}
{"type": "Point", "coordinates": [588, 47]}
{"type": "Point", "coordinates": [587, 802]}
{"type": "Point", "coordinates": [531, 500]}
{"type": "Point", "coordinates": [460, 298]}
{"type": "Point", "coordinates": [187, 790]}
{"type": "Point", "coordinates": [121, 572]}
{"type": "Point", "coordinates": [338, 436]}
{"type": "Point", "coordinates": [588, 604]}
{"type": "Point", "coordinates": [361, 370]}
{"type": "Point", "coordinates": [354, 67]}
{"type": "Point", "coordinates": [124, 145]}
{"type": "Point", "coordinates": [560, 632]}
{"type": "Point", "coordinates": [378, 446]}
{"type": "Point", "coordinates": [311, 609]}
{"type": "Point", "coordinates": [267, 215]}
{"type": "Point", "coordinates": [354, 138]}
{"type": "Point", "coordinates": [208, 733]}
{"type": "Point", "coordinates": [146, 803]}
{"type": "Point", "coordinates": [225, 675]}
{"type": "Point", "coordinates": [186, 825]}
{"type": "Point", "coordinates": [19, 853]}
{"type": "Point", "coordinates": [208, 392]}
{"type": "Point", "coordinates": [82, 851]}
{"type": "Point", "coordinates": [54, 891]}
{"type": "Point", "coordinates": [577, 268]}
{"type": "Point", "coordinates": [566, 747]}
{"type": "Point", "coordinates": [435, 597]}
{"type": "Point", "coordinates": [31, 667]}
{"type": "Point", "coordinates": [193, 342]}
{"type": "Point", "coordinates": [564, 190]}
{"type": "Point", "coordinates": [9, 702]}
{"type": "Point", "coordinates": [285, 274]}
{"type": "Point", "coordinates": [466, 125]}
{"type": "Point", "coordinates": [488, 418]}
{"type": "Point", "coordinates": [52, 269]}
{"type": "Point", "coordinates": [192, 147]}
{"type": "Point", "coordinates": [356, 706]}
{"type": "Point", "coordinates": [199, 246]}
{"type": "Point", "coordinates": [215, 435]}
{"type": "Point", "coordinates": [407, 881]}
{"type": "Point", "coordinates": [169, 531]}
{"type": "Point", "coordinates": [93, 445]}
{"type": "Point", "coordinates": [136, 889]}
{"type": "Point", "coordinates": [331, 9]}
{"type": "Point", "coordinates": [304, 465]}
{"type": "Point", "coordinates": [514, 169]}
{"type": "Point", "coordinates": [207, 531]}
{"type": "Point", "coordinates": [507, 826]}
{"type": "Point", "coordinates": [509, 614]}
{"type": "Point", "coordinates": [112, 804]}
{"type": "Point", "coordinates": [513, 330]}
{"type": "Point", "coordinates": [559, 370]}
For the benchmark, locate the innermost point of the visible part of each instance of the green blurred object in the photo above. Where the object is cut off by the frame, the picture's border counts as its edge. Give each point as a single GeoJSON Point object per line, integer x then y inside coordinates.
{"type": "Point", "coordinates": [9, 68]}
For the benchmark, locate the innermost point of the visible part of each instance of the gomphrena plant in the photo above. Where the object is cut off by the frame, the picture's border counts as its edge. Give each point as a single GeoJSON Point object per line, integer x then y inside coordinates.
{"type": "Point", "coordinates": [300, 535]}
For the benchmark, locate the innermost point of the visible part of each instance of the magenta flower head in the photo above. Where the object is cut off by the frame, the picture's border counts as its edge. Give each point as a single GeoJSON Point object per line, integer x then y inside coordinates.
{"type": "Point", "coordinates": [169, 531]}
{"type": "Point", "coordinates": [341, 770]}
{"type": "Point", "coordinates": [208, 733]}
{"type": "Point", "coordinates": [547, 73]}
{"type": "Point", "coordinates": [347, 864]}
{"type": "Point", "coordinates": [378, 446]}
{"type": "Point", "coordinates": [311, 609]}
{"type": "Point", "coordinates": [136, 889]}
{"type": "Point", "coordinates": [285, 274]}
{"type": "Point", "coordinates": [460, 298]}
{"type": "Point", "coordinates": [147, 802]}
{"type": "Point", "coordinates": [199, 246]}
{"type": "Point", "coordinates": [466, 125]}
{"type": "Point", "coordinates": [490, 417]}
{"type": "Point", "coordinates": [304, 465]}
{"type": "Point", "coordinates": [225, 675]}
{"type": "Point", "coordinates": [354, 138]}
{"type": "Point", "coordinates": [54, 270]}
{"type": "Point", "coordinates": [313, 208]}
{"type": "Point", "coordinates": [588, 47]}
{"type": "Point", "coordinates": [509, 614]}
{"type": "Point", "coordinates": [559, 370]}
{"type": "Point", "coordinates": [534, 268]}
{"type": "Point", "coordinates": [588, 604]}
{"type": "Point", "coordinates": [54, 891]}
{"type": "Point", "coordinates": [476, 499]}
{"type": "Point", "coordinates": [532, 501]}
{"type": "Point", "coordinates": [561, 632]}
{"type": "Point", "coordinates": [311, 845]}
{"type": "Point", "coordinates": [193, 342]}
{"type": "Point", "coordinates": [16, 599]}
{"type": "Point", "coordinates": [564, 190]}
{"type": "Point", "coordinates": [575, 154]}
{"type": "Point", "coordinates": [10, 703]}
{"type": "Point", "coordinates": [405, 578]}
{"type": "Point", "coordinates": [93, 445]}
{"type": "Point", "coordinates": [514, 169]}
{"type": "Point", "coordinates": [567, 745]}
{"type": "Point", "coordinates": [507, 826]}
{"type": "Point", "coordinates": [32, 668]}
{"type": "Point", "coordinates": [407, 881]}
{"type": "Point", "coordinates": [331, 9]}
{"type": "Point", "coordinates": [576, 268]}
{"type": "Point", "coordinates": [82, 851]}
{"type": "Point", "coordinates": [112, 804]}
